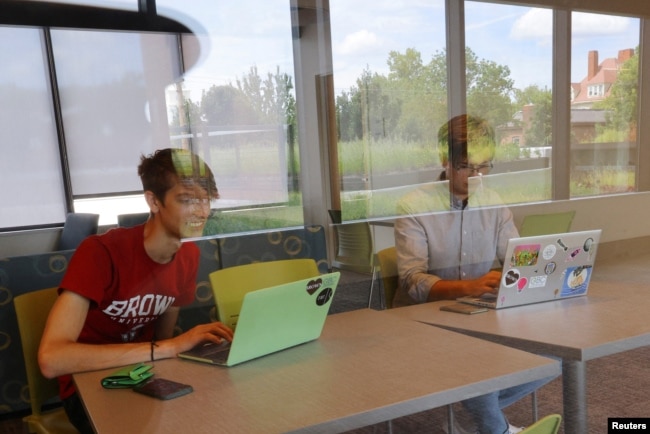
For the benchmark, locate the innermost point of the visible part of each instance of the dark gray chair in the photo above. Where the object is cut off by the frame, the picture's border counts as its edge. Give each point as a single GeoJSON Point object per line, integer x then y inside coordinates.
{"type": "Point", "coordinates": [130, 220]}
{"type": "Point", "coordinates": [77, 226]}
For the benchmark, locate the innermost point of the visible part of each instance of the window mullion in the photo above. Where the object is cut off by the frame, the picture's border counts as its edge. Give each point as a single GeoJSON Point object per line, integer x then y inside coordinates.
{"type": "Point", "coordinates": [643, 104]}
{"type": "Point", "coordinates": [58, 120]}
{"type": "Point", "coordinates": [456, 76]}
{"type": "Point", "coordinates": [561, 117]}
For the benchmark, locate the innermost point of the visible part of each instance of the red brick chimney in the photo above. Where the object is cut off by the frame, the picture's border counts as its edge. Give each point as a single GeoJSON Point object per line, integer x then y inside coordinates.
{"type": "Point", "coordinates": [592, 64]}
{"type": "Point", "coordinates": [624, 55]}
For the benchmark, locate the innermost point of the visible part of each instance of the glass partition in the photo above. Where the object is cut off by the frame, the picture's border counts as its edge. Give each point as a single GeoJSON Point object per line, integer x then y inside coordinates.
{"type": "Point", "coordinates": [604, 92]}
{"type": "Point", "coordinates": [390, 78]}
{"type": "Point", "coordinates": [230, 92]}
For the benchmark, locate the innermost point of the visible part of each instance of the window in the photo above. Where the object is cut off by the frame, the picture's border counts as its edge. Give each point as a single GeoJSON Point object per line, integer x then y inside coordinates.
{"type": "Point", "coordinates": [603, 123]}
{"type": "Point", "coordinates": [509, 83]}
{"type": "Point", "coordinates": [32, 192]}
{"type": "Point", "coordinates": [390, 83]}
{"type": "Point", "coordinates": [238, 95]}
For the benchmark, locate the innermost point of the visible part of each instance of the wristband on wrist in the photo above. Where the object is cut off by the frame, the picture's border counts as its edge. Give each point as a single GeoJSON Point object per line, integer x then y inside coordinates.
{"type": "Point", "coordinates": [153, 345]}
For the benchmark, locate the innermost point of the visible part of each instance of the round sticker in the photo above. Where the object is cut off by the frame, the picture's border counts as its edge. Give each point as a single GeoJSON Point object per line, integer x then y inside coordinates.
{"type": "Point", "coordinates": [324, 296]}
{"type": "Point", "coordinates": [550, 268]}
{"type": "Point", "coordinates": [549, 251]}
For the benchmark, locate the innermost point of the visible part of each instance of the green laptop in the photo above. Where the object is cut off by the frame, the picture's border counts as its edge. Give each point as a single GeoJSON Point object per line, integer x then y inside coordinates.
{"type": "Point", "coordinates": [273, 319]}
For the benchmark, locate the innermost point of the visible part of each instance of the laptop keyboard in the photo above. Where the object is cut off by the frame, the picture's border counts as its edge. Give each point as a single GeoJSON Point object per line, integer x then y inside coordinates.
{"type": "Point", "coordinates": [212, 351]}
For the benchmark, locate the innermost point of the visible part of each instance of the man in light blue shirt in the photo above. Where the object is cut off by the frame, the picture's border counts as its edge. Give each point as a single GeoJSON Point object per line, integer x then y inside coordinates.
{"type": "Point", "coordinates": [451, 241]}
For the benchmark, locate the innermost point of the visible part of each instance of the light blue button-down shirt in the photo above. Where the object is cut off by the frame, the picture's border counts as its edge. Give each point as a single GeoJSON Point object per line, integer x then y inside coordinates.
{"type": "Point", "coordinates": [437, 242]}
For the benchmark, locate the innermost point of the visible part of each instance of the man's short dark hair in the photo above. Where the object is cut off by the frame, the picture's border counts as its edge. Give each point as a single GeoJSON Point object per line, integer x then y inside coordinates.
{"type": "Point", "coordinates": [464, 135]}
{"type": "Point", "coordinates": [161, 170]}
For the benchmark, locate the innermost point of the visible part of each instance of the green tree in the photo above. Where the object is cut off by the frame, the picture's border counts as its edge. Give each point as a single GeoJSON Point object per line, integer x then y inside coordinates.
{"type": "Point", "coordinates": [227, 106]}
{"type": "Point", "coordinates": [348, 114]}
{"type": "Point", "coordinates": [538, 131]}
{"type": "Point", "coordinates": [271, 98]}
{"type": "Point", "coordinates": [489, 89]}
{"type": "Point", "coordinates": [411, 101]}
{"type": "Point", "coordinates": [421, 92]}
{"type": "Point", "coordinates": [621, 103]}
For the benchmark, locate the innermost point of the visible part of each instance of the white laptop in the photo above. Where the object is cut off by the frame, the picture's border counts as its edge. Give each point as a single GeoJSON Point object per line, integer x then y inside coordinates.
{"type": "Point", "coordinates": [273, 319]}
{"type": "Point", "coordinates": [543, 268]}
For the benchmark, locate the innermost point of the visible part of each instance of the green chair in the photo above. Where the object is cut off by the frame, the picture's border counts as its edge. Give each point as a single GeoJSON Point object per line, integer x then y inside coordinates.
{"type": "Point", "coordinates": [547, 425]}
{"type": "Point", "coordinates": [32, 310]}
{"type": "Point", "coordinates": [543, 224]}
{"type": "Point", "coordinates": [355, 251]}
{"type": "Point", "coordinates": [229, 285]}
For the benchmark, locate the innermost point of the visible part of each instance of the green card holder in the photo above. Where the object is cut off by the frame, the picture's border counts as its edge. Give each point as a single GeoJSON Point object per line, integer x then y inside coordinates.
{"type": "Point", "coordinates": [128, 376]}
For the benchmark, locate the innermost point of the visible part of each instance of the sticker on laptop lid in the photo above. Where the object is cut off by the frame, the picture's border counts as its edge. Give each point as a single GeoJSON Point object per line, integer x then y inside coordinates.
{"type": "Point", "coordinates": [576, 281]}
{"type": "Point", "coordinates": [511, 277]}
{"type": "Point", "coordinates": [525, 255]}
{"type": "Point", "coordinates": [324, 296]}
{"type": "Point", "coordinates": [314, 285]}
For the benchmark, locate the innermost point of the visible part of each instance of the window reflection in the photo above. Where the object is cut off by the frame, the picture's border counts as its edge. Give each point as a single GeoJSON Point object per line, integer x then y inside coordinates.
{"type": "Point", "coordinates": [237, 109]}
{"type": "Point", "coordinates": [127, 94]}
{"type": "Point", "coordinates": [509, 83]}
{"type": "Point", "coordinates": [390, 84]}
{"type": "Point", "coordinates": [604, 104]}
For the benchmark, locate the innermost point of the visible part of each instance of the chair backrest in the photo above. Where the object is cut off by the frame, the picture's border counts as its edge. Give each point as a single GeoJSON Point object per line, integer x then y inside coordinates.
{"type": "Point", "coordinates": [130, 220]}
{"type": "Point", "coordinates": [544, 224]}
{"type": "Point", "coordinates": [229, 285]}
{"type": "Point", "coordinates": [77, 226]}
{"type": "Point", "coordinates": [389, 276]}
{"type": "Point", "coordinates": [355, 248]}
{"type": "Point", "coordinates": [549, 424]}
{"type": "Point", "coordinates": [32, 310]}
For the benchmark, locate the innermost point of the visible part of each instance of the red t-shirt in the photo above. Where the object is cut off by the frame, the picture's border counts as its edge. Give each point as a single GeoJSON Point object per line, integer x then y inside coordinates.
{"type": "Point", "coordinates": [127, 290]}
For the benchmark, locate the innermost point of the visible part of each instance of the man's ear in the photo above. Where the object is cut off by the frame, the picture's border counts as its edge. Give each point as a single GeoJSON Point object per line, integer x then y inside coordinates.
{"type": "Point", "coordinates": [152, 201]}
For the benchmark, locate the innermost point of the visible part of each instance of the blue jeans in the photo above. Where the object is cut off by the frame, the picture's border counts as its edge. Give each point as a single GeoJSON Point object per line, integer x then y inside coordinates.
{"type": "Point", "coordinates": [486, 410]}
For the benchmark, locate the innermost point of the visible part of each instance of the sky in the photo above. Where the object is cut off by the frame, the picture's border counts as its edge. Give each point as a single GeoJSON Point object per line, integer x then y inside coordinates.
{"type": "Point", "coordinates": [365, 31]}
{"type": "Point", "coordinates": [237, 35]}
{"type": "Point", "coordinates": [520, 37]}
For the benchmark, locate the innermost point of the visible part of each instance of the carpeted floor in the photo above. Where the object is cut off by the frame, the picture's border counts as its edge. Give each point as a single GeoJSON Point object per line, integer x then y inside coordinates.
{"type": "Point", "coordinates": [617, 385]}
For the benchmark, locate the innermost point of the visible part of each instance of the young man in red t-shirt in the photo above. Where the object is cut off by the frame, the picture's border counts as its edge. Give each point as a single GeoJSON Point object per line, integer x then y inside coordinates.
{"type": "Point", "coordinates": [120, 297]}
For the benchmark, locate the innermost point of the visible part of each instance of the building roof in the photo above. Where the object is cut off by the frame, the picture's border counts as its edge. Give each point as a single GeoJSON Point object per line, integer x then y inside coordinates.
{"type": "Point", "coordinates": [597, 85]}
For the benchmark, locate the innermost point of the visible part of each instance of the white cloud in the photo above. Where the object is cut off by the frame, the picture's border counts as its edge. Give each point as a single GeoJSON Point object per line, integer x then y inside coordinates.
{"type": "Point", "coordinates": [357, 42]}
{"type": "Point", "coordinates": [597, 24]}
{"type": "Point", "coordinates": [534, 24]}
{"type": "Point", "coordinates": [538, 24]}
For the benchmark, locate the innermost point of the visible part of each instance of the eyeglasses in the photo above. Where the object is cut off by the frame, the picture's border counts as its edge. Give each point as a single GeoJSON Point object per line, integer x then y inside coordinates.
{"type": "Point", "coordinates": [471, 168]}
{"type": "Point", "coordinates": [193, 201]}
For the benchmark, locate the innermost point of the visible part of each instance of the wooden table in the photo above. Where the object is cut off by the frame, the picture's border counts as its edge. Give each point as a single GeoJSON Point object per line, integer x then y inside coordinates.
{"type": "Point", "coordinates": [614, 317]}
{"type": "Point", "coordinates": [367, 367]}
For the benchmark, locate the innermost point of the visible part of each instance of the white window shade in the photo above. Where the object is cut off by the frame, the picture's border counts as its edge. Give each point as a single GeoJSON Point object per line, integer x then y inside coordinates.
{"type": "Point", "coordinates": [112, 87]}
{"type": "Point", "coordinates": [32, 191]}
